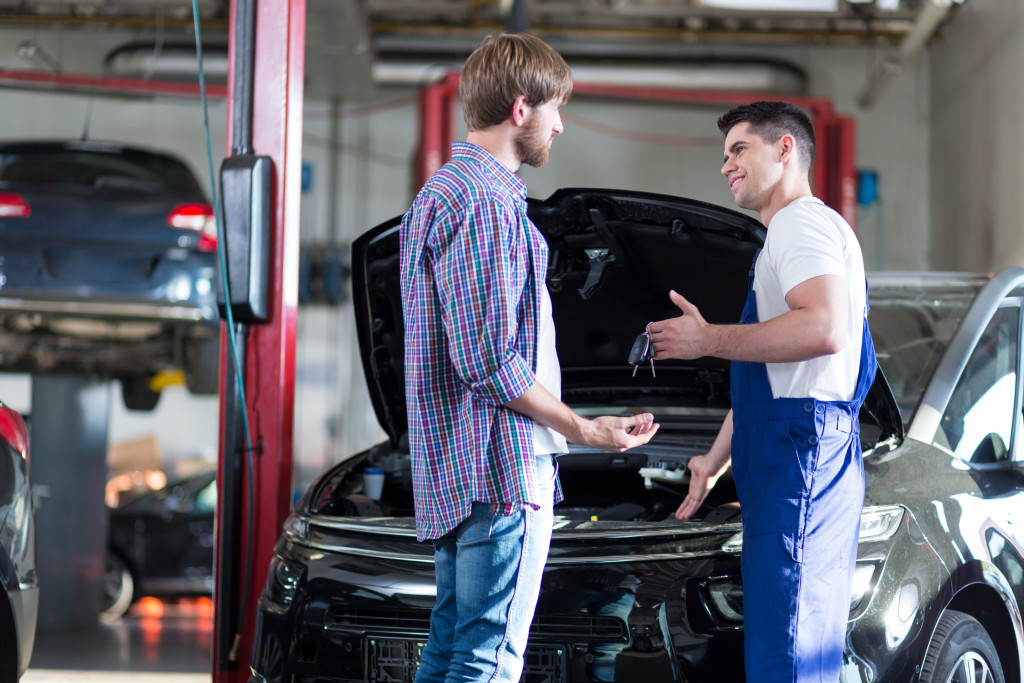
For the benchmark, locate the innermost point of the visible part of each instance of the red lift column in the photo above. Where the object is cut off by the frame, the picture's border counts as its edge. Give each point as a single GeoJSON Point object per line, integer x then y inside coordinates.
{"type": "Point", "coordinates": [269, 354]}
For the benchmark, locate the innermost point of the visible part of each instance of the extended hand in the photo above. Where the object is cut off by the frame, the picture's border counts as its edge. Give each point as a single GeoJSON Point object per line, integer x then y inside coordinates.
{"type": "Point", "coordinates": [682, 337]}
{"type": "Point", "coordinates": [703, 476]}
{"type": "Point", "coordinates": [619, 433]}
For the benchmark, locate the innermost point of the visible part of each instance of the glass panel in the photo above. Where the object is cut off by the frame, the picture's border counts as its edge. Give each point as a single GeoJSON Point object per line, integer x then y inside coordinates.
{"type": "Point", "coordinates": [979, 418]}
{"type": "Point", "coordinates": [127, 172]}
{"type": "Point", "coordinates": [911, 322]}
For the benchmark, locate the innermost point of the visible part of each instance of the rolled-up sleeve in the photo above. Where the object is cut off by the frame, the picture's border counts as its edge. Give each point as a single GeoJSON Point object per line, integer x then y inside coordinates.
{"type": "Point", "coordinates": [480, 274]}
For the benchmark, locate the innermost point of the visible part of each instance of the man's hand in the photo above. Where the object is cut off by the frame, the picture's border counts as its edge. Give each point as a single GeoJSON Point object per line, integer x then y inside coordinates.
{"type": "Point", "coordinates": [683, 337]}
{"type": "Point", "coordinates": [617, 433]}
{"type": "Point", "coordinates": [704, 473]}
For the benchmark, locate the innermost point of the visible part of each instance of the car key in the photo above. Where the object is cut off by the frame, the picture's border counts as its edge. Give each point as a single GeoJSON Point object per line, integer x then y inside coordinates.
{"type": "Point", "coordinates": [641, 351]}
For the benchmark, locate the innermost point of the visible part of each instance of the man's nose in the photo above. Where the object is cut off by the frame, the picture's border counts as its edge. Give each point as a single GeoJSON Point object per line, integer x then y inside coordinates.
{"type": "Point", "coordinates": [728, 167]}
{"type": "Point", "coordinates": [558, 127]}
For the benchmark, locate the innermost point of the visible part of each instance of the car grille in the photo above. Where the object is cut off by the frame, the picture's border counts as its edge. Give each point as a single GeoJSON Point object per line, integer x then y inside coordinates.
{"type": "Point", "coordinates": [395, 660]}
{"type": "Point", "coordinates": [417, 621]}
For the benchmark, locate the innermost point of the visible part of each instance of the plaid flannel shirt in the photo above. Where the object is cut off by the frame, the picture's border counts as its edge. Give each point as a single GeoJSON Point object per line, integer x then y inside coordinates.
{"type": "Point", "coordinates": [471, 265]}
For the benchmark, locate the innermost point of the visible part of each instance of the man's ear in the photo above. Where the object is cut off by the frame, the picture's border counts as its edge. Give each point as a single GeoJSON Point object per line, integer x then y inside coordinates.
{"type": "Point", "coordinates": [787, 147]}
{"type": "Point", "coordinates": [520, 110]}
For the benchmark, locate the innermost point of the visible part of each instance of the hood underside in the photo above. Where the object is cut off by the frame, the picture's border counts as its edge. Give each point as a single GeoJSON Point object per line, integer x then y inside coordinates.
{"type": "Point", "coordinates": [614, 256]}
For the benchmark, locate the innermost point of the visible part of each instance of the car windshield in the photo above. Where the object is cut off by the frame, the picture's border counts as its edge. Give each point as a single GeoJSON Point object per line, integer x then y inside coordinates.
{"type": "Point", "coordinates": [131, 172]}
{"type": "Point", "coordinates": [912, 318]}
{"type": "Point", "coordinates": [195, 487]}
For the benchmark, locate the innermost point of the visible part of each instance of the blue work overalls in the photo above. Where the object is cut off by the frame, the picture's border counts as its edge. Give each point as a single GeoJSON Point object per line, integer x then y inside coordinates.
{"type": "Point", "coordinates": [800, 477]}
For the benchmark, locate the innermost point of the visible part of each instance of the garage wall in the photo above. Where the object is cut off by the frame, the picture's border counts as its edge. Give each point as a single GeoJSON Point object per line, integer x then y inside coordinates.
{"type": "Point", "coordinates": [658, 148]}
{"type": "Point", "coordinates": [976, 138]}
{"type": "Point", "coordinates": [375, 151]}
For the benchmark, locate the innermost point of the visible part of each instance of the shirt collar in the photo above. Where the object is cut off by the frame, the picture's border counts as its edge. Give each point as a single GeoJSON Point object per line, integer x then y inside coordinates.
{"type": "Point", "coordinates": [466, 150]}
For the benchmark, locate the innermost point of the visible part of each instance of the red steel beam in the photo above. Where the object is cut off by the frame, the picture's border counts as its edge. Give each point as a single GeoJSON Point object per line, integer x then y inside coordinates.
{"type": "Point", "coordinates": [103, 85]}
{"type": "Point", "coordinates": [270, 352]}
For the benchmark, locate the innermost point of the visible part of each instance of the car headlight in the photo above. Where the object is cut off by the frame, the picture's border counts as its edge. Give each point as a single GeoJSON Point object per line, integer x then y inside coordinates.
{"type": "Point", "coordinates": [282, 581]}
{"type": "Point", "coordinates": [877, 523]}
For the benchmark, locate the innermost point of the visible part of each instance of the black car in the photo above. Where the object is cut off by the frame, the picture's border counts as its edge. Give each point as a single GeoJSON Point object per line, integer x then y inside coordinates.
{"type": "Point", "coordinates": [107, 265]}
{"type": "Point", "coordinates": [630, 593]}
{"type": "Point", "coordinates": [19, 601]}
{"type": "Point", "coordinates": [161, 544]}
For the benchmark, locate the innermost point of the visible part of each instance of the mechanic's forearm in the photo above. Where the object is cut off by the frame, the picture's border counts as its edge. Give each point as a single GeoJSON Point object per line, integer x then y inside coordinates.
{"type": "Point", "coordinates": [791, 337]}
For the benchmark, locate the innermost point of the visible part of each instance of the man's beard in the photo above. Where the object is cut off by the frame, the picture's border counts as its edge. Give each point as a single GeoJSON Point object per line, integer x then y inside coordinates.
{"type": "Point", "coordinates": [531, 145]}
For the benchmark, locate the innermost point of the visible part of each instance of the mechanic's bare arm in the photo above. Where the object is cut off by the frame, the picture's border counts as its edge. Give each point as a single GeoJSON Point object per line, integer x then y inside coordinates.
{"type": "Point", "coordinates": [606, 432]}
{"type": "Point", "coordinates": [706, 469]}
{"type": "Point", "coordinates": [815, 325]}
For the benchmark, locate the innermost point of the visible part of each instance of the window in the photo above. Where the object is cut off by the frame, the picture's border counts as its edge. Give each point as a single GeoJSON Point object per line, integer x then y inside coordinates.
{"type": "Point", "coordinates": [978, 422]}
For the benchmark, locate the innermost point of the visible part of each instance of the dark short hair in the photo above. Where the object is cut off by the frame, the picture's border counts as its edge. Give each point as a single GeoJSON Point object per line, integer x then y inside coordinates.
{"type": "Point", "coordinates": [772, 120]}
{"type": "Point", "coordinates": [505, 66]}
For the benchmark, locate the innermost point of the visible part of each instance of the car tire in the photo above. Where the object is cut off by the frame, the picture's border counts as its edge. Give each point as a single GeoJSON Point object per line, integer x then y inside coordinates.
{"type": "Point", "coordinates": [118, 589]}
{"type": "Point", "coordinates": [137, 395]}
{"type": "Point", "coordinates": [961, 651]}
{"type": "Point", "coordinates": [202, 365]}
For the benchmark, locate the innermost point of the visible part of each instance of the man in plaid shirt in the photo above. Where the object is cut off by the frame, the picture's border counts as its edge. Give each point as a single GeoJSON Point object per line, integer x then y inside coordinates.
{"type": "Point", "coordinates": [483, 382]}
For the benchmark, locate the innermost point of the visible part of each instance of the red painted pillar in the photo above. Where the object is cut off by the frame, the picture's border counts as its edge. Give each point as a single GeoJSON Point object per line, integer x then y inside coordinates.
{"type": "Point", "coordinates": [436, 127]}
{"type": "Point", "coordinates": [844, 168]}
{"type": "Point", "coordinates": [270, 351]}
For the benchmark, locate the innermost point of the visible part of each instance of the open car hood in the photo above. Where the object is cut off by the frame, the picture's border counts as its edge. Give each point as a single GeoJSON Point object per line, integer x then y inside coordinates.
{"type": "Point", "coordinates": [614, 256]}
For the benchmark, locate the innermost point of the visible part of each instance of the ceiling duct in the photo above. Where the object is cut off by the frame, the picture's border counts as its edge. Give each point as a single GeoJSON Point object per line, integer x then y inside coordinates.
{"type": "Point", "coordinates": [697, 74]}
{"type": "Point", "coordinates": [337, 61]}
{"type": "Point", "coordinates": [171, 62]}
{"type": "Point", "coordinates": [178, 62]}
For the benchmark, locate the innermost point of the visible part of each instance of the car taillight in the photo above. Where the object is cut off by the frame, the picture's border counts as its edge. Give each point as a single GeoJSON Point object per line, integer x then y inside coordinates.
{"type": "Point", "coordinates": [13, 206]}
{"type": "Point", "coordinates": [198, 217]}
{"type": "Point", "coordinates": [13, 430]}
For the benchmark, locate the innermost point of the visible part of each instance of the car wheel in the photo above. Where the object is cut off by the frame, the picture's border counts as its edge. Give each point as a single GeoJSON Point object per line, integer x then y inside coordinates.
{"type": "Point", "coordinates": [118, 588]}
{"type": "Point", "coordinates": [202, 365]}
{"type": "Point", "coordinates": [961, 652]}
{"type": "Point", "coordinates": [137, 395]}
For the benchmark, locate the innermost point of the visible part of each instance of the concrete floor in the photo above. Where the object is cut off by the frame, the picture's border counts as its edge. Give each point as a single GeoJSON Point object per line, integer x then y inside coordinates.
{"type": "Point", "coordinates": [154, 643]}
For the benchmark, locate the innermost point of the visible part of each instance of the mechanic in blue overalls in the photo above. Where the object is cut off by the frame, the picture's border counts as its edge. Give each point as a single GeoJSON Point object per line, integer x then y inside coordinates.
{"type": "Point", "coordinates": [803, 361]}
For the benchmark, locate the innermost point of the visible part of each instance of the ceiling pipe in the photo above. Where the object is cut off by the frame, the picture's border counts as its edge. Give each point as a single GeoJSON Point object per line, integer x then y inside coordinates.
{"type": "Point", "coordinates": [174, 62]}
{"type": "Point", "coordinates": [728, 76]}
{"type": "Point", "coordinates": [34, 54]}
{"type": "Point", "coordinates": [86, 84]}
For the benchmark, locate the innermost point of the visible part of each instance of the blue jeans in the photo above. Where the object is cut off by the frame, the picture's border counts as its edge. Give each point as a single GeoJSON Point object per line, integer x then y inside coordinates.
{"type": "Point", "coordinates": [480, 623]}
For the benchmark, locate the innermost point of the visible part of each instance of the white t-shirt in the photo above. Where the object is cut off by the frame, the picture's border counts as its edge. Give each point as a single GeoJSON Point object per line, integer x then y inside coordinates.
{"type": "Point", "coordinates": [805, 240]}
{"type": "Point", "coordinates": [549, 376]}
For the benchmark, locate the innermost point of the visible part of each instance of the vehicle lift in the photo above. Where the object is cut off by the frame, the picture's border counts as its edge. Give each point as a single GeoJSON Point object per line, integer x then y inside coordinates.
{"type": "Point", "coordinates": [261, 180]}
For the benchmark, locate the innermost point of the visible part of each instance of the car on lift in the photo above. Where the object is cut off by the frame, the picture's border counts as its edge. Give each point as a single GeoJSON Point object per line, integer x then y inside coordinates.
{"type": "Point", "coordinates": [630, 593]}
{"type": "Point", "coordinates": [161, 544]}
{"type": "Point", "coordinates": [19, 602]}
{"type": "Point", "coordinates": [107, 266]}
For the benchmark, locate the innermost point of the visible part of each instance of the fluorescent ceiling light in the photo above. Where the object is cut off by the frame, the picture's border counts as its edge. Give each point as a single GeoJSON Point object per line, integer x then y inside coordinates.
{"type": "Point", "coordinates": [775, 5]}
